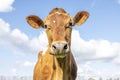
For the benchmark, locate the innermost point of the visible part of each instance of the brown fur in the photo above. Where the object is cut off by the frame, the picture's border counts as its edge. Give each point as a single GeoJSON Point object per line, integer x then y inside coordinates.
{"type": "Point", "coordinates": [58, 29]}
{"type": "Point", "coordinates": [57, 10]}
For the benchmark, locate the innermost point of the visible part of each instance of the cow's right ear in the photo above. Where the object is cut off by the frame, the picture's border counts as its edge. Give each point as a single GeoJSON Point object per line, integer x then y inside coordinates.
{"type": "Point", "coordinates": [35, 21]}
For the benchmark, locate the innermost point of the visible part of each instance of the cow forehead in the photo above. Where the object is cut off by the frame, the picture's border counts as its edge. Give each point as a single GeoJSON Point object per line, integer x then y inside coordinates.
{"type": "Point", "coordinates": [58, 19]}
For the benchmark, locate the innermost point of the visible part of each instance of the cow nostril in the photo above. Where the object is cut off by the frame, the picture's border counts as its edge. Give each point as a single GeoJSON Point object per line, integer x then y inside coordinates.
{"type": "Point", "coordinates": [53, 46]}
{"type": "Point", "coordinates": [65, 47]}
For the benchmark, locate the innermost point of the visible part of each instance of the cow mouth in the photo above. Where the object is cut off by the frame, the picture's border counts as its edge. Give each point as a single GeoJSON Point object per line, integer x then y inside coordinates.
{"type": "Point", "coordinates": [59, 55]}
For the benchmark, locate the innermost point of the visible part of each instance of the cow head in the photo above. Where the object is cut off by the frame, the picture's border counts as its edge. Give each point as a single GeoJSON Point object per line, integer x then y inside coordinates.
{"type": "Point", "coordinates": [58, 25]}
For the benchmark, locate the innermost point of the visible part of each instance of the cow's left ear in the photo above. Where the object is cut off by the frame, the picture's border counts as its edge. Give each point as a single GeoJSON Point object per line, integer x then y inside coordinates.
{"type": "Point", "coordinates": [35, 21]}
{"type": "Point", "coordinates": [80, 17]}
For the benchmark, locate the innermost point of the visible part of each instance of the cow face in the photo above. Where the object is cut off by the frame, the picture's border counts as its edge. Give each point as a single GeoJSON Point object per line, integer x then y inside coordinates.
{"type": "Point", "coordinates": [58, 25]}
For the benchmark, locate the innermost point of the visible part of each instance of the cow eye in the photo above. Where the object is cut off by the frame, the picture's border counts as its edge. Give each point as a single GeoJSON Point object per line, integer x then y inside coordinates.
{"type": "Point", "coordinates": [70, 24]}
{"type": "Point", "coordinates": [46, 26]}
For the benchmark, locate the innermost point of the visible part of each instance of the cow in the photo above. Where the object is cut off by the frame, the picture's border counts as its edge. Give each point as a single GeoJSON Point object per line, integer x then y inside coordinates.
{"type": "Point", "coordinates": [56, 62]}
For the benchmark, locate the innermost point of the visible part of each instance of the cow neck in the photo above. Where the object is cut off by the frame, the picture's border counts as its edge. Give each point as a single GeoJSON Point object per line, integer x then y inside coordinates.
{"type": "Point", "coordinates": [64, 64]}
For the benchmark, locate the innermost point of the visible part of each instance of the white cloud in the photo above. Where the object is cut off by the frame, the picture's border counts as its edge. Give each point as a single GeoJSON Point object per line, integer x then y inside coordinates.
{"type": "Point", "coordinates": [19, 35]}
{"type": "Point", "coordinates": [93, 49]}
{"type": "Point", "coordinates": [17, 39]}
{"type": "Point", "coordinates": [87, 70]}
{"type": "Point", "coordinates": [5, 29]}
{"type": "Point", "coordinates": [14, 71]}
{"type": "Point", "coordinates": [117, 60]}
{"type": "Point", "coordinates": [28, 64]}
{"type": "Point", "coordinates": [23, 68]}
{"type": "Point", "coordinates": [6, 5]}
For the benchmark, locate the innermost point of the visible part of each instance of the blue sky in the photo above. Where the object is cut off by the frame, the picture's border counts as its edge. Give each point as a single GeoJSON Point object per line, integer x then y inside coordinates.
{"type": "Point", "coordinates": [95, 44]}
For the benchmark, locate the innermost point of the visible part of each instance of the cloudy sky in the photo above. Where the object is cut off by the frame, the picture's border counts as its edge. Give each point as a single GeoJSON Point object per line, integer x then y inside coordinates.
{"type": "Point", "coordinates": [95, 44]}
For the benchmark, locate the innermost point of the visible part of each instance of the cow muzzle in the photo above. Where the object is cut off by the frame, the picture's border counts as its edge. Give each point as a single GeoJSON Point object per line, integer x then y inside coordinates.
{"type": "Point", "coordinates": [59, 49]}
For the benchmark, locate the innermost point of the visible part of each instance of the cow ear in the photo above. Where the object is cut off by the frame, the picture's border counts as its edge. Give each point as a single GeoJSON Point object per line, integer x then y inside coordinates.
{"type": "Point", "coordinates": [35, 21]}
{"type": "Point", "coordinates": [80, 17]}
